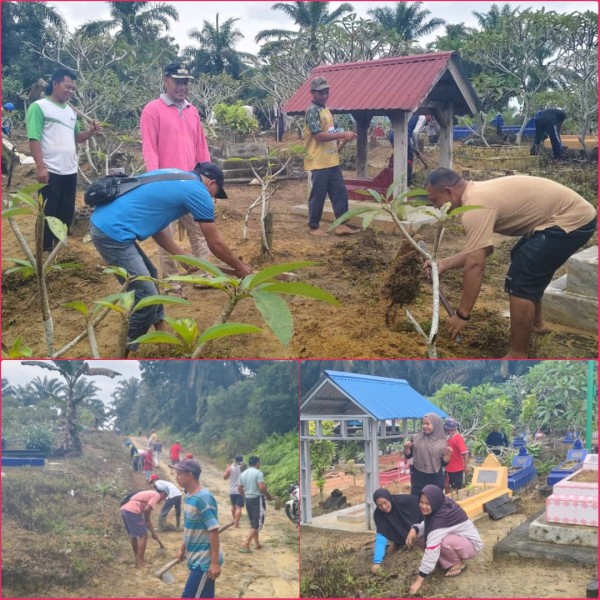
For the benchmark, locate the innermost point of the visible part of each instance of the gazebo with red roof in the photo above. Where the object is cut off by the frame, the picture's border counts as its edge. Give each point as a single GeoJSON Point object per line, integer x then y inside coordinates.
{"type": "Point", "coordinates": [397, 87]}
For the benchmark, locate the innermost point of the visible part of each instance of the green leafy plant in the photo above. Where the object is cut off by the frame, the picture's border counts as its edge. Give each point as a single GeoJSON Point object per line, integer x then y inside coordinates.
{"type": "Point", "coordinates": [17, 350]}
{"type": "Point", "coordinates": [29, 202]}
{"type": "Point", "coordinates": [235, 119]}
{"type": "Point", "coordinates": [262, 287]}
{"type": "Point", "coordinates": [38, 437]}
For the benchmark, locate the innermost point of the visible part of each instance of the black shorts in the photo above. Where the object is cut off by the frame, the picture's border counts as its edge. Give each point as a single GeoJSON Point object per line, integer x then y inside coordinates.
{"type": "Point", "coordinates": [236, 500]}
{"type": "Point", "coordinates": [255, 507]}
{"type": "Point", "coordinates": [535, 259]}
{"type": "Point", "coordinates": [455, 479]}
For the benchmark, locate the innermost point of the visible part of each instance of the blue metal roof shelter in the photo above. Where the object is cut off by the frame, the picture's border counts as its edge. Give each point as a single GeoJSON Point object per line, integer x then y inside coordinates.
{"type": "Point", "coordinates": [384, 406]}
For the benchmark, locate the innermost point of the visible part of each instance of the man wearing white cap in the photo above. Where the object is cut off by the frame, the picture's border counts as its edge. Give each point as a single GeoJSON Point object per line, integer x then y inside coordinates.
{"type": "Point", "coordinates": [173, 137]}
{"type": "Point", "coordinates": [173, 500]}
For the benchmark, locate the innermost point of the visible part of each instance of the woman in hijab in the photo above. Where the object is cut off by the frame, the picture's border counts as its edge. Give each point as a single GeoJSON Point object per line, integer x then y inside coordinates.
{"type": "Point", "coordinates": [450, 536]}
{"type": "Point", "coordinates": [393, 517]}
{"type": "Point", "coordinates": [430, 453]}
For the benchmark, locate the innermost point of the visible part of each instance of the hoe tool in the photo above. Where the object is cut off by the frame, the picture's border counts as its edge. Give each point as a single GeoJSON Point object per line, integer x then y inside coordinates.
{"type": "Point", "coordinates": [164, 575]}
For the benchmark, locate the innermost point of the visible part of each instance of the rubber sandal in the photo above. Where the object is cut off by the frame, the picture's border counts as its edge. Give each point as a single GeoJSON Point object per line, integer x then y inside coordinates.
{"type": "Point", "coordinates": [455, 572]}
{"type": "Point", "coordinates": [245, 550]}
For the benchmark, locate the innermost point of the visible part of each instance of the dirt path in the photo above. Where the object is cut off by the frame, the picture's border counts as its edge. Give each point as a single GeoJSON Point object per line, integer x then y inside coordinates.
{"type": "Point", "coordinates": [271, 572]}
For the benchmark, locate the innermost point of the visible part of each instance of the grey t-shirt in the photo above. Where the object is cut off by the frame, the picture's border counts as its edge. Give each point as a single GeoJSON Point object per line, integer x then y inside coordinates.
{"type": "Point", "coordinates": [250, 479]}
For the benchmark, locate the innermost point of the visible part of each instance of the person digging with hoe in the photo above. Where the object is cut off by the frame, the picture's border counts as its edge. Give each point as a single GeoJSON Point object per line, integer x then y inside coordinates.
{"type": "Point", "coordinates": [136, 515]}
{"type": "Point", "coordinates": [201, 544]}
{"type": "Point", "coordinates": [553, 222]}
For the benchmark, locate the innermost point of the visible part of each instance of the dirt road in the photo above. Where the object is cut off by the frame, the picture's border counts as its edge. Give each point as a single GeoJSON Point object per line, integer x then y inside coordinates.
{"type": "Point", "coordinates": [271, 572]}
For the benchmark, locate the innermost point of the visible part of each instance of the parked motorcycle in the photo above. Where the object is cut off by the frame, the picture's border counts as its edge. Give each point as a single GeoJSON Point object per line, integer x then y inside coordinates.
{"type": "Point", "coordinates": [292, 506]}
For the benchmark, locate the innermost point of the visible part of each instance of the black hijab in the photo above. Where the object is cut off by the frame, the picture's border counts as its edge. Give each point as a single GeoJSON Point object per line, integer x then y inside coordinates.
{"type": "Point", "coordinates": [396, 524]}
{"type": "Point", "coordinates": [444, 511]}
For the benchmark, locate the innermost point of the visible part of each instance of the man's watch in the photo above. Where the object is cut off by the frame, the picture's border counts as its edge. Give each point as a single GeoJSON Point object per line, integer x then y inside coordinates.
{"type": "Point", "coordinates": [461, 316]}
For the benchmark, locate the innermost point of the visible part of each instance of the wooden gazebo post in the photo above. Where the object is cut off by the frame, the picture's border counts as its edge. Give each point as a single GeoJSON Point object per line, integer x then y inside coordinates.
{"type": "Point", "coordinates": [399, 120]}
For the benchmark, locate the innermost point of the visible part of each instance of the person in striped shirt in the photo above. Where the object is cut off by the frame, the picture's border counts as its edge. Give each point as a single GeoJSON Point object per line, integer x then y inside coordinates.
{"type": "Point", "coordinates": [200, 545]}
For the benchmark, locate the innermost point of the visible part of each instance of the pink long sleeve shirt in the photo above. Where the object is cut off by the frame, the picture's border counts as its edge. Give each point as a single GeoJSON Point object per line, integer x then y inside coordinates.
{"type": "Point", "coordinates": [172, 137]}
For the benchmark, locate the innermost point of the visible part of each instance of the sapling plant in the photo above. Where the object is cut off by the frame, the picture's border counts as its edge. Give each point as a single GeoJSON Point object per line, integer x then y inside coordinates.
{"type": "Point", "coordinates": [263, 287]}
{"type": "Point", "coordinates": [267, 190]}
{"type": "Point", "coordinates": [28, 201]}
{"type": "Point", "coordinates": [398, 206]}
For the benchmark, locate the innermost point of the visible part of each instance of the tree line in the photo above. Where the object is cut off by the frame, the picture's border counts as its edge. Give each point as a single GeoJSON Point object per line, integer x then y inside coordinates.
{"type": "Point", "coordinates": [537, 57]}
{"type": "Point", "coordinates": [224, 407]}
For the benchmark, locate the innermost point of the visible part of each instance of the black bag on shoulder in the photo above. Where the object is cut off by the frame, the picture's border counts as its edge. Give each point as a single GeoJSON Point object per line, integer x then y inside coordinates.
{"type": "Point", "coordinates": [108, 188]}
{"type": "Point", "coordinates": [128, 497]}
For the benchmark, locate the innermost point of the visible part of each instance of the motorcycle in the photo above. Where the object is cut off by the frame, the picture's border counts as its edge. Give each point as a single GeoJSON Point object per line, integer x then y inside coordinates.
{"type": "Point", "coordinates": [292, 506]}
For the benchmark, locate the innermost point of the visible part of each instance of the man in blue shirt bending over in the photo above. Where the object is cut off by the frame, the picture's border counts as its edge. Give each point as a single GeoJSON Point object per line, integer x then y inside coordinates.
{"type": "Point", "coordinates": [117, 227]}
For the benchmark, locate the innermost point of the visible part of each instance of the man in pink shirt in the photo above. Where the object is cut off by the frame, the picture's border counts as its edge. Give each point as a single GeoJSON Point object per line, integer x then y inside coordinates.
{"type": "Point", "coordinates": [136, 517]}
{"type": "Point", "coordinates": [173, 138]}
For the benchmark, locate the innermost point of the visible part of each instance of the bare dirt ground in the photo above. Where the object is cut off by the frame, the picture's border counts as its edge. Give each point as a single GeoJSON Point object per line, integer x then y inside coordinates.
{"type": "Point", "coordinates": [356, 270]}
{"type": "Point", "coordinates": [485, 577]}
{"type": "Point", "coordinates": [271, 572]}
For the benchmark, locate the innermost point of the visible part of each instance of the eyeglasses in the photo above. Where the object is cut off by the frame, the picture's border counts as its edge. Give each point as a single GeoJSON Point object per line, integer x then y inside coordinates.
{"type": "Point", "coordinates": [321, 92]}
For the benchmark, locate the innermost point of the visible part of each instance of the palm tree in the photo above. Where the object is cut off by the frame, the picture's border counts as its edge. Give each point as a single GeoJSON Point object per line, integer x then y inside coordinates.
{"type": "Point", "coordinates": [405, 23]}
{"type": "Point", "coordinates": [125, 396]}
{"type": "Point", "coordinates": [40, 389]}
{"type": "Point", "coordinates": [309, 17]}
{"type": "Point", "coordinates": [26, 26]}
{"type": "Point", "coordinates": [217, 53]}
{"type": "Point", "coordinates": [71, 371]}
{"type": "Point", "coordinates": [136, 22]}
{"type": "Point", "coordinates": [492, 18]}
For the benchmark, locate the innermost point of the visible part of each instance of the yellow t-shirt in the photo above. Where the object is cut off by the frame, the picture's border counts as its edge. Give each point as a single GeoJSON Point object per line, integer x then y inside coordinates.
{"type": "Point", "coordinates": [319, 155]}
{"type": "Point", "coordinates": [519, 205]}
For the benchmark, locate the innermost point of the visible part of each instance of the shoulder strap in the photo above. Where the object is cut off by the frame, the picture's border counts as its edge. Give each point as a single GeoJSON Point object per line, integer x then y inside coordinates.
{"type": "Point", "coordinates": [130, 183]}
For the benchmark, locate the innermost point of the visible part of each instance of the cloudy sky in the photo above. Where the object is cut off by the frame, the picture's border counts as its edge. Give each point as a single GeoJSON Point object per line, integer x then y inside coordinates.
{"type": "Point", "coordinates": [256, 16]}
{"type": "Point", "coordinates": [18, 374]}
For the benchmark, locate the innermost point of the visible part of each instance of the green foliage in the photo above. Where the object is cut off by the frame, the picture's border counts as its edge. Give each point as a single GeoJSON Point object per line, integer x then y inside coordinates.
{"type": "Point", "coordinates": [239, 417]}
{"type": "Point", "coordinates": [17, 349]}
{"type": "Point", "coordinates": [279, 462]}
{"type": "Point", "coordinates": [556, 395]}
{"type": "Point", "coordinates": [234, 118]}
{"type": "Point", "coordinates": [38, 437]}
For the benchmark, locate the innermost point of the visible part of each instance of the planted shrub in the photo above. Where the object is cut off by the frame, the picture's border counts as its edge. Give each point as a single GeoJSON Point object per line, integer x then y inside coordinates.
{"type": "Point", "coordinates": [38, 437]}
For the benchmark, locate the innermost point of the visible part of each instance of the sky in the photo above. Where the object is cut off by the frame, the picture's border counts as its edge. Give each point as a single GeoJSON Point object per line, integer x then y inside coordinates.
{"type": "Point", "coordinates": [257, 16]}
{"type": "Point", "coordinates": [18, 374]}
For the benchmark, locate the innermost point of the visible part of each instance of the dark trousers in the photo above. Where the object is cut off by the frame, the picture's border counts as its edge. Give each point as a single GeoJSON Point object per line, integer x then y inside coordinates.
{"type": "Point", "coordinates": [326, 182]}
{"type": "Point", "coordinates": [169, 504]}
{"type": "Point", "coordinates": [59, 198]}
{"type": "Point", "coordinates": [418, 480]}
{"type": "Point", "coordinates": [543, 128]}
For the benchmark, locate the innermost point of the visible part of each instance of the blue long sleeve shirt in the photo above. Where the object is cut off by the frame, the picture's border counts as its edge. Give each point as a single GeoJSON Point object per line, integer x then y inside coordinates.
{"type": "Point", "coordinates": [380, 546]}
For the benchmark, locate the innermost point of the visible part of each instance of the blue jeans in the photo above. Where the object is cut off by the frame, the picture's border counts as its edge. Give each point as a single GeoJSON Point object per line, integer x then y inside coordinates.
{"type": "Point", "coordinates": [129, 256]}
{"type": "Point", "coordinates": [192, 583]}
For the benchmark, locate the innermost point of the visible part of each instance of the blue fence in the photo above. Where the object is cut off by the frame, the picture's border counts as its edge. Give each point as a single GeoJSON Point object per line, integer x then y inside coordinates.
{"type": "Point", "coordinates": [461, 133]}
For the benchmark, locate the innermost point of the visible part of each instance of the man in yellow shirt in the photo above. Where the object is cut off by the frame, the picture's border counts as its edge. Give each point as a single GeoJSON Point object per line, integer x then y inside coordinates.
{"type": "Point", "coordinates": [553, 220]}
{"type": "Point", "coordinates": [322, 160]}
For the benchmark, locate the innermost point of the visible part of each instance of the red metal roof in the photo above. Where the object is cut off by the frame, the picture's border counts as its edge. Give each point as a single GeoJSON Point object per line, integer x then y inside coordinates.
{"type": "Point", "coordinates": [401, 83]}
